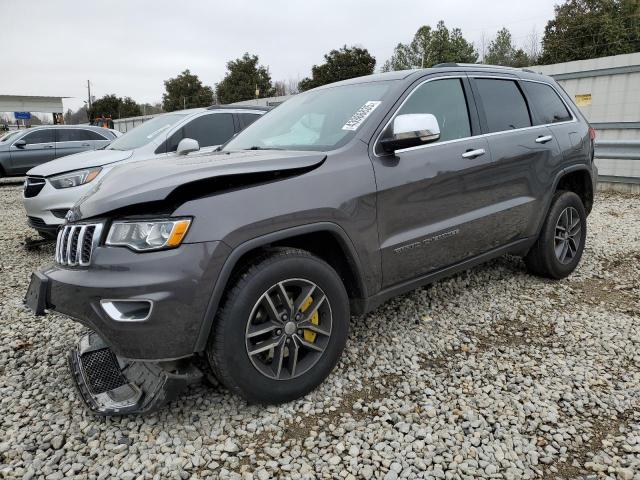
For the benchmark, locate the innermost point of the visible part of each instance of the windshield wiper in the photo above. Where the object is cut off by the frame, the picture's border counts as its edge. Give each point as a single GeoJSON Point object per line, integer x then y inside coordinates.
{"type": "Point", "coordinates": [255, 147]}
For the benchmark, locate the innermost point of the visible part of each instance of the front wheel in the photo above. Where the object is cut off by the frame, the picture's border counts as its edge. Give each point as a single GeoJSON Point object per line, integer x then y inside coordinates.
{"type": "Point", "coordinates": [282, 327]}
{"type": "Point", "coordinates": [559, 247]}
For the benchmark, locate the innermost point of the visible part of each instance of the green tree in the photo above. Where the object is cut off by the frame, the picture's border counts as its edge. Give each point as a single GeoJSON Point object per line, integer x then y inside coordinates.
{"type": "Point", "coordinates": [129, 108]}
{"type": "Point", "coordinates": [502, 51]}
{"type": "Point", "coordinates": [185, 91]}
{"type": "Point", "coordinates": [107, 105]}
{"type": "Point", "coordinates": [348, 62]}
{"type": "Point", "coordinates": [115, 106]}
{"type": "Point", "coordinates": [583, 29]}
{"type": "Point", "coordinates": [245, 79]}
{"type": "Point", "coordinates": [430, 47]}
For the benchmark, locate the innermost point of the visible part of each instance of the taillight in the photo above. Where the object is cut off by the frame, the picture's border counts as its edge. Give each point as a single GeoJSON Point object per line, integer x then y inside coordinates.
{"type": "Point", "coordinates": [592, 133]}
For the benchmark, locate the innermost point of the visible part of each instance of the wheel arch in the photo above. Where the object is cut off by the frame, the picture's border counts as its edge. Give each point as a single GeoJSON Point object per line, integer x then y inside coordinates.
{"type": "Point", "coordinates": [577, 179]}
{"type": "Point", "coordinates": [321, 239]}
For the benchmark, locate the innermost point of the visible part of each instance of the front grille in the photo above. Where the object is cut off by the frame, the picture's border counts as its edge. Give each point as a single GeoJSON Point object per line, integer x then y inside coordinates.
{"type": "Point", "coordinates": [101, 371]}
{"type": "Point", "coordinates": [33, 185]}
{"type": "Point", "coordinates": [75, 244]}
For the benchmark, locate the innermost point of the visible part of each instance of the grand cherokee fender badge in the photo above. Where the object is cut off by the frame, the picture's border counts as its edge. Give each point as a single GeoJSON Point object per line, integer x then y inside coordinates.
{"type": "Point", "coordinates": [426, 241]}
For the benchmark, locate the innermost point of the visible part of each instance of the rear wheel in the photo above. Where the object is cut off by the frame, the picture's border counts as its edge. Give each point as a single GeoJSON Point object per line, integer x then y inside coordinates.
{"type": "Point", "coordinates": [282, 327]}
{"type": "Point", "coordinates": [559, 247]}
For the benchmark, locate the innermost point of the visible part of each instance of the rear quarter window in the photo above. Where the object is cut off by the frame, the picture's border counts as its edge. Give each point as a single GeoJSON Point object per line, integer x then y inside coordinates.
{"type": "Point", "coordinates": [247, 119]}
{"type": "Point", "coordinates": [548, 106]}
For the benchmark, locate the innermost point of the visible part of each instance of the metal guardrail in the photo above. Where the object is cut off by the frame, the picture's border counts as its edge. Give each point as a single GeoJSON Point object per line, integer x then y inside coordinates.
{"type": "Point", "coordinates": [614, 150]}
{"type": "Point", "coordinates": [618, 149]}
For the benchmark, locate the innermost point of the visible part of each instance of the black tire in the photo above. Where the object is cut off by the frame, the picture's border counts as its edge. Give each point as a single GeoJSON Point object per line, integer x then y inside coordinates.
{"type": "Point", "coordinates": [542, 259]}
{"type": "Point", "coordinates": [229, 342]}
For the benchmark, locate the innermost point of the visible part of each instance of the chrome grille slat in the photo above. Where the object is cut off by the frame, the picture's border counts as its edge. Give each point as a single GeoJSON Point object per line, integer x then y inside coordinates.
{"type": "Point", "coordinates": [78, 258]}
{"type": "Point", "coordinates": [75, 244]}
{"type": "Point", "coordinates": [67, 250]}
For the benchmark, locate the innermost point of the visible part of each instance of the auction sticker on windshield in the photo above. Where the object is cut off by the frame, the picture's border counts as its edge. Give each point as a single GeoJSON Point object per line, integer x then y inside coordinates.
{"type": "Point", "coordinates": [361, 115]}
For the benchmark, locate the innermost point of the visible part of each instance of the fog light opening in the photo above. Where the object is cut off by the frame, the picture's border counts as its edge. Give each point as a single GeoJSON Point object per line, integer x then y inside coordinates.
{"type": "Point", "coordinates": [127, 310]}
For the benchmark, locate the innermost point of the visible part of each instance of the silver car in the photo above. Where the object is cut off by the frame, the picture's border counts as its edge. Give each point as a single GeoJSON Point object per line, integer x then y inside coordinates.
{"type": "Point", "coordinates": [21, 150]}
{"type": "Point", "coordinates": [50, 190]}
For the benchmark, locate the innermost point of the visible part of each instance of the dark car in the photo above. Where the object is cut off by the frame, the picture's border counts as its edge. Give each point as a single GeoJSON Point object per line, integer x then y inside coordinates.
{"type": "Point", "coordinates": [250, 261]}
{"type": "Point", "coordinates": [21, 150]}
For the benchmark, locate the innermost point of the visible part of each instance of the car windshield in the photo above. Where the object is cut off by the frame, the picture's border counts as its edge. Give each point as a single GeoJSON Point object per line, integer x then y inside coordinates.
{"type": "Point", "coordinates": [145, 133]}
{"type": "Point", "coordinates": [9, 135]}
{"type": "Point", "coordinates": [317, 120]}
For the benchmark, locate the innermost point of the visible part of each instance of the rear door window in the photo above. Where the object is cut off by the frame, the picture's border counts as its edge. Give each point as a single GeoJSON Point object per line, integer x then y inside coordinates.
{"type": "Point", "coordinates": [548, 106]}
{"type": "Point", "coordinates": [445, 100]}
{"type": "Point", "coordinates": [504, 105]}
{"type": "Point", "coordinates": [208, 130]}
{"type": "Point", "coordinates": [76, 135]}
{"type": "Point", "coordinates": [39, 136]}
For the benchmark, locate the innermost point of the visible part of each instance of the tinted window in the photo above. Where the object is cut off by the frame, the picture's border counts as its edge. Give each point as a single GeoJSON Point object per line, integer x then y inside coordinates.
{"type": "Point", "coordinates": [76, 135]}
{"type": "Point", "coordinates": [208, 130]}
{"type": "Point", "coordinates": [445, 99]}
{"type": "Point", "coordinates": [247, 119]}
{"type": "Point", "coordinates": [504, 106]}
{"type": "Point", "coordinates": [39, 136]}
{"type": "Point", "coordinates": [91, 135]}
{"type": "Point", "coordinates": [546, 103]}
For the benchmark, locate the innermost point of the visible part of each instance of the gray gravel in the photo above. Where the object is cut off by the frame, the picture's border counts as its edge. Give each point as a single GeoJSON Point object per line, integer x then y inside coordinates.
{"type": "Point", "coordinates": [490, 374]}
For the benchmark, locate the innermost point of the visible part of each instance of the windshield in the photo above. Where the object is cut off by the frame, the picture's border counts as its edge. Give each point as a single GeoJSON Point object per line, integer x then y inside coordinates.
{"type": "Point", "coordinates": [10, 135]}
{"type": "Point", "coordinates": [318, 120]}
{"type": "Point", "coordinates": [145, 133]}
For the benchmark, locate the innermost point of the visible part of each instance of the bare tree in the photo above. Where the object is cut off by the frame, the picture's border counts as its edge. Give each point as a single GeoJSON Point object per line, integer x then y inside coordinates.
{"type": "Point", "coordinates": [280, 87]}
{"type": "Point", "coordinates": [292, 86]}
{"type": "Point", "coordinates": [484, 42]}
{"type": "Point", "coordinates": [532, 46]}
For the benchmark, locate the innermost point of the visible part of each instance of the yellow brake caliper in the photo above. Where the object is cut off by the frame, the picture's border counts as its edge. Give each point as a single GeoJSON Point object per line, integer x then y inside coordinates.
{"type": "Point", "coordinates": [310, 336]}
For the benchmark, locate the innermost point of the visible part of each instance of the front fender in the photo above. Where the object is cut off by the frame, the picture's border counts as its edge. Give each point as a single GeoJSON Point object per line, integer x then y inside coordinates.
{"type": "Point", "coordinates": [256, 243]}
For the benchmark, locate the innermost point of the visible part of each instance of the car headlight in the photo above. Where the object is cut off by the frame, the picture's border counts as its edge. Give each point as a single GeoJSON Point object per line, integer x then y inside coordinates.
{"type": "Point", "coordinates": [148, 235]}
{"type": "Point", "coordinates": [75, 178]}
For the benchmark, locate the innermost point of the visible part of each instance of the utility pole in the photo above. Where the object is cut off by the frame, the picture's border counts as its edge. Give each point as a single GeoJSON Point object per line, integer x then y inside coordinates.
{"type": "Point", "coordinates": [89, 98]}
{"type": "Point", "coordinates": [184, 103]}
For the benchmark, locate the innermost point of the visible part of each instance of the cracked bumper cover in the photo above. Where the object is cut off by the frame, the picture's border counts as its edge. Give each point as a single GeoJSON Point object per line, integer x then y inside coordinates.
{"type": "Point", "coordinates": [110, 385]}
{"type": "Point", "coordinates": [177, 282]}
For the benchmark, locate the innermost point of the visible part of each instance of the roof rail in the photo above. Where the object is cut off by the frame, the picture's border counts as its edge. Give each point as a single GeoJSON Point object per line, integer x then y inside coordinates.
{"type": "Point", "coordinates": [481, 65]}
{"type": "Point", "coordinates": [238, 107]}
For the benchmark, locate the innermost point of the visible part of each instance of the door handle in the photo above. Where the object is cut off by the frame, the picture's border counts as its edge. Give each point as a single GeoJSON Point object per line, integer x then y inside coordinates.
{"type": "Point", "coordinates": [85, 145]}
{"type": "Point", "coordinates": [48, 146]}
{"type": "Point", "coordinates": [473, 153]}
{"type": "Point", "coordinates": [544, 139]}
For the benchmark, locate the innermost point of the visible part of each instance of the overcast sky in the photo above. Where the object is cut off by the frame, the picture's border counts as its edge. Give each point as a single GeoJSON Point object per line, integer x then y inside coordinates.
{"type": "Point", "coordinates": [129, 47]}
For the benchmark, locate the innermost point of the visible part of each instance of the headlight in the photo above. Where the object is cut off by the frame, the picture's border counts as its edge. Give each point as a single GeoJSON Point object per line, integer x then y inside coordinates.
{"type": "Point", "coordinates": [75, 178]}
{"type": "Point", "coordinates": [148, 235]}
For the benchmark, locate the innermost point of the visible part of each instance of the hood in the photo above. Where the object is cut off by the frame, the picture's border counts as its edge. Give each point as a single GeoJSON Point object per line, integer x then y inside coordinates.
{"type": "Point", "coordinates": [155, 180]}
{"type": "Point", "coordinates": [91, 158]}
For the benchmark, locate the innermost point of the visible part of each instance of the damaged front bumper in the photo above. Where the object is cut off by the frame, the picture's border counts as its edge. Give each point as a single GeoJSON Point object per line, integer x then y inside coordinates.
{"type": "Point", "coordinates": [132, 362]}
{"type": "Point", "coordinates": [110, 385]}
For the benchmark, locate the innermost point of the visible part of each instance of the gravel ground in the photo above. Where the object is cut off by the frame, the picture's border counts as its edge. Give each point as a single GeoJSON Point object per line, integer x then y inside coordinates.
{"type": "Point", "coordinates": [492, 373]}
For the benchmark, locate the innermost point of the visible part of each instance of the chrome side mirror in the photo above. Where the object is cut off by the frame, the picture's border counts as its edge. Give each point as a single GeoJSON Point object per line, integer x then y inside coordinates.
{"type": "Point", "coordinates": [20, 143]}
{"type": "Point", "coordinates": [187, 145]}
{"type": "Point", "coordinates": [411, 130]}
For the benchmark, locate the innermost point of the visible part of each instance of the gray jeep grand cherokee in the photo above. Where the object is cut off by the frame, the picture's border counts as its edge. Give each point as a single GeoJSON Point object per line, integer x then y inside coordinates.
{"type": "Point", "coordinates": [249, 262]}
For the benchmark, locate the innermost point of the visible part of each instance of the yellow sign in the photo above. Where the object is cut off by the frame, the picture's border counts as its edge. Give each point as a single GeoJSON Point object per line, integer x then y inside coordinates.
{"type": "Point", "coordinates": [583, 99]}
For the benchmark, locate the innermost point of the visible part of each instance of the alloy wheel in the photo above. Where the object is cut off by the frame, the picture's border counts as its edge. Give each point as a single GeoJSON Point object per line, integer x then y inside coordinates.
{"type": "Point", "coordinates": [289, 329]}
{"type": "Point", "coordinates": [567, 235]}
